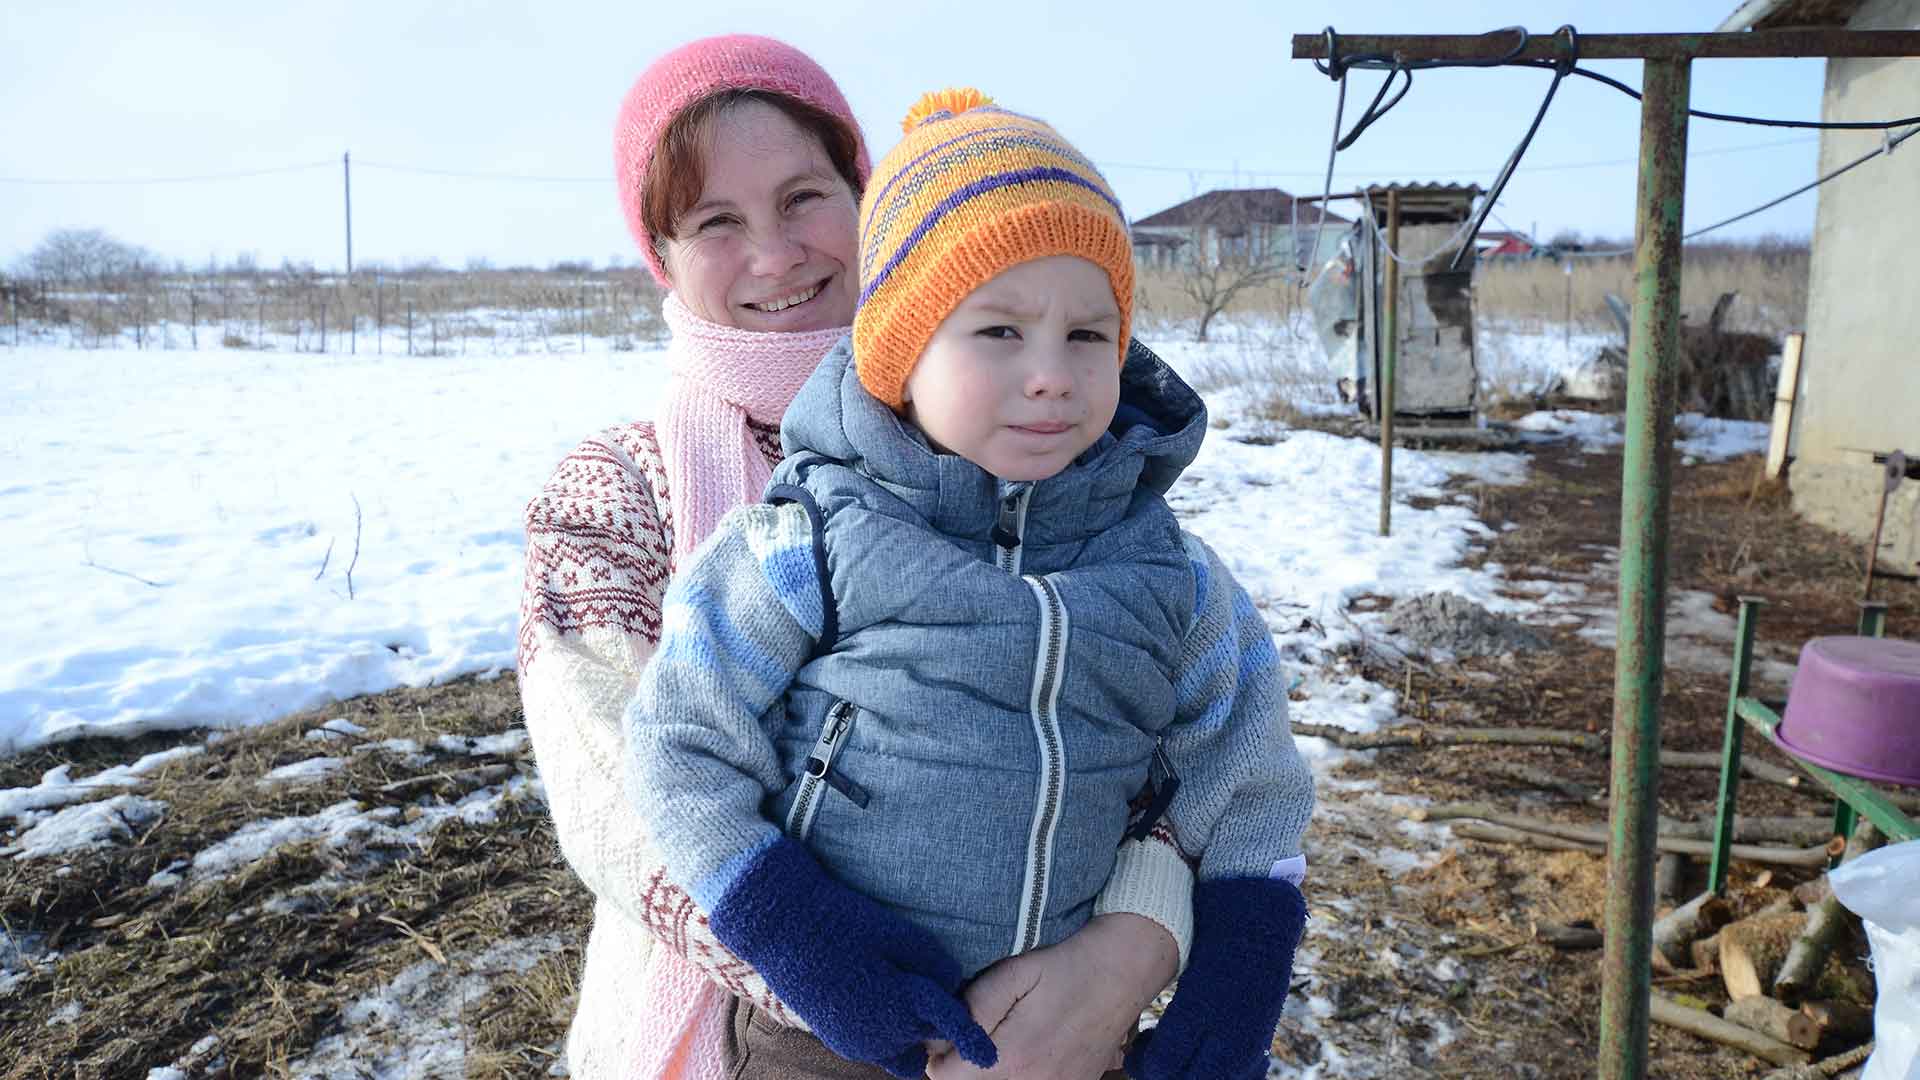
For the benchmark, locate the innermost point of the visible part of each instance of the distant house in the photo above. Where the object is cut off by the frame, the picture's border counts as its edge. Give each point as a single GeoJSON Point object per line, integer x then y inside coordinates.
{"type": "Point", "coordinates": [1504, 245]}
{"type": "Point", "coordinates": [1234, 223]}
{"type": "Point", "coordinates": [1859, 396]}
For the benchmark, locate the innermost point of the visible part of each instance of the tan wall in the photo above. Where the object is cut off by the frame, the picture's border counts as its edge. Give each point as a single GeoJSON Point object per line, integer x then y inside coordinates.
{"type": "Point", "coordinates": [1860, 380]}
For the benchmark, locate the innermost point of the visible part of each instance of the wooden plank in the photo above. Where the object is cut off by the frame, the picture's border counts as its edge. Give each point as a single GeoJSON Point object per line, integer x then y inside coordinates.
{"type": "Point", "coordinates": [1857, 793]}
{"type": "Point", "coordinates": [1783, 398]}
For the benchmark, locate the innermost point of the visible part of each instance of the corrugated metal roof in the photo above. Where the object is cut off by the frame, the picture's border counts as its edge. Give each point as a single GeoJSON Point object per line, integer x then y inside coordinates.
{"type": "Point", "coordinates": [1422, 202]}
{"type": "Point", "coordinates": [1778, 14]}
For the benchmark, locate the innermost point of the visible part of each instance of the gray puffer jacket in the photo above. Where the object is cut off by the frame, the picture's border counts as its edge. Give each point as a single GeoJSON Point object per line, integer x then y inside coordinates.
{"type": "Point", "coordinates": [959, 730]}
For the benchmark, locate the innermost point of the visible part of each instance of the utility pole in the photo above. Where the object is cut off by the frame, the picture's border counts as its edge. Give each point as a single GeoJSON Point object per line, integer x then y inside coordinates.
{"type": "Point", "coordinates": [346, 175]}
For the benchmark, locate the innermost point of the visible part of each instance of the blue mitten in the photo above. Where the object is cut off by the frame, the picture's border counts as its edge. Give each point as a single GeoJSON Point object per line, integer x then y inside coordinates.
{"type": "Point", "coordinates": [870, 984]}
{"type": "Point", "coordinates": [1220, 1023]}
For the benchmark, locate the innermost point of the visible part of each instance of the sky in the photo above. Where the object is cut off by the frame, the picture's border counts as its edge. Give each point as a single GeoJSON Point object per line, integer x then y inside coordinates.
{"type": "Point", "coordinates": [1171, 100]}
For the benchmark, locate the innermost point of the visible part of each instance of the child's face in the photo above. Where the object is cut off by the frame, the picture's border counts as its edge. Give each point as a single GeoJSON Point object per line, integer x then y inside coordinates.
{"type": "Point", "coordinates": [1025, 374]}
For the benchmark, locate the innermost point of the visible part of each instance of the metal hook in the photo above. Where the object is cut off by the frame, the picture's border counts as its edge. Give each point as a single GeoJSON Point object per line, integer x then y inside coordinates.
{"type": "Point", "coordinates": [1565, 64]}
{"type": "Point", "coordinates": [1333, 68]}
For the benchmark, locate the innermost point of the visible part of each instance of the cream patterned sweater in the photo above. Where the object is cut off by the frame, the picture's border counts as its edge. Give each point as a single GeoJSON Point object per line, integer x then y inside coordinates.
{"type": "Point", "coordinates": [599, 552]}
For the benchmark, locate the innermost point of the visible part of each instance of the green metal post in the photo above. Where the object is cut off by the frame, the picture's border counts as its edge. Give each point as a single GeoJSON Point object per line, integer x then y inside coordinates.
{"type": "Point", "coordinates": [1730, 745]}
{"type": "Point", "coordinates": [1640, 653]}
{"type": "Point", "coordinates": [1873, 621]}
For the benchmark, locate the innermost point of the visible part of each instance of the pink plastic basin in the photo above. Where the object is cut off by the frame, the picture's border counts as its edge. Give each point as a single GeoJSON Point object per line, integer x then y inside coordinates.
{"type": "Point", "coordinates": [1855, 708]}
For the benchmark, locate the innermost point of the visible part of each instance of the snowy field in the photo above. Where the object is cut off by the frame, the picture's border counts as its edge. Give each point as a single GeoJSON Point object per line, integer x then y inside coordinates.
{"type": "Point", "coordinates": [180, 527]}
{"type": "Point", "coordinates": [218, 538]}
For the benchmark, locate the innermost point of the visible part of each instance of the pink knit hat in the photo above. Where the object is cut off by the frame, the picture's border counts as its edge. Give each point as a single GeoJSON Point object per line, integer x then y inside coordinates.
{"type": "Point", "coordinates": [692, 72]}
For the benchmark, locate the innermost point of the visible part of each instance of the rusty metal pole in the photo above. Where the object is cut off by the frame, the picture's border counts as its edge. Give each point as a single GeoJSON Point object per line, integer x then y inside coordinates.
{"type": "Point", "coordinates": [1640, 650]}
{"type": "Point", "coordinates": [1389, 356]}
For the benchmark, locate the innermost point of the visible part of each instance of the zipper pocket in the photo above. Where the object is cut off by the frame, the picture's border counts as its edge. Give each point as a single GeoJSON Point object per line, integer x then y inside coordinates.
{"type": "Point", "coordinates": [820, 772]}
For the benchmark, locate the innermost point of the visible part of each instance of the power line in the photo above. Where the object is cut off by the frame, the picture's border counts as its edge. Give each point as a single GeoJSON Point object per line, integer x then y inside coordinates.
{"type": "Point", "coordinates": [1556, 167]}
{"type": "Point", "coordinates": [1885, 147]}
{"type": "Point", "coordinates": [524, 178]}
{"type": "Point", "coordinates": [469, 174]}
{"type": "Point", "coordinates": [202, 178]}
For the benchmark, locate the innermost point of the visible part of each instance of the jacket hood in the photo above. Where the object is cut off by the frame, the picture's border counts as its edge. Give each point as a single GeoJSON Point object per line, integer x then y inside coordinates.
{"type": "Point", "coordinates": [1156, 433]}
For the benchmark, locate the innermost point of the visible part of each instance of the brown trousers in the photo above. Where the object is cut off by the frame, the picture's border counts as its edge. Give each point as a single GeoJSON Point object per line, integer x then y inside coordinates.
{"type": "Point", "coordinates": [760, 1049]}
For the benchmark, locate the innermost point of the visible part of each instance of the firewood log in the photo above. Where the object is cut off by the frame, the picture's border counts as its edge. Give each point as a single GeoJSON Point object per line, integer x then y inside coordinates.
{"type": "Point", "coordinates": [1674, 933]}
{"type": "Point", "coordinates": [1838, 1019]}
{"type": "Point", "coordinates": [1708, 1026]}
{"type": "Point", "coordinates": [1774, 1020]}
{"type": "Point", "coordinates": [1706, 954]}
{"type": "Point", "coordinates": [1751, 951]}
{"type": "Point", "coordinates": [1827, 923]}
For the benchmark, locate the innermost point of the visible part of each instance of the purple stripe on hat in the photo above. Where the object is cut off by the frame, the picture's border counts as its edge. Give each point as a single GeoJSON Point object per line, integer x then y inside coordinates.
{"type": "Point", "coordinates": [974, 190]}
{"type": "Point", "coordinates": [880, 216]}
{"type": "Point", "coordinates": [907, 169]}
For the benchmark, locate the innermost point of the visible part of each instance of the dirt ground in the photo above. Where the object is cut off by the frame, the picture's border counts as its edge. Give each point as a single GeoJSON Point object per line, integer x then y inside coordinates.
{"type": "Point", "coordinates": [1421, 955]}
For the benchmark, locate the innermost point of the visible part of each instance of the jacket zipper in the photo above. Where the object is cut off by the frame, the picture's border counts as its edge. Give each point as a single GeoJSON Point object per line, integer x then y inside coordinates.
{"type": "Point", "coordinates": [1010, 524]}
{"type": "Point", "coordinates": [1043, 708]}
{"type": "Point", "coordinates": [806, 802]}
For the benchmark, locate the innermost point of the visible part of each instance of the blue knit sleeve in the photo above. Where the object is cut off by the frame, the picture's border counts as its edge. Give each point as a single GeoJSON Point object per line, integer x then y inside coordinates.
{"type": "Point", "coordinates": [1245, 794]}
{"type": "Point", "coordinates": [738, 621]}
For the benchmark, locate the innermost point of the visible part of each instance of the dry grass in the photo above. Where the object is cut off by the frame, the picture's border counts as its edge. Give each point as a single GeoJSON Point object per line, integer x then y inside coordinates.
{"type": "Point", "coordinates": [1160, 302]}
{"type": "Point", "coordinates": [268, 958]}
{"type": "Point", "coordinates": [440, 313]}
{"type": "Point", "coordinates": [1770, 278]}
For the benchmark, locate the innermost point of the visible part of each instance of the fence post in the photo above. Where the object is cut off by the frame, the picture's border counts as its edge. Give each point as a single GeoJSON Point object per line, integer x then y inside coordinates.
{"type": "Point", "coordinates": [259, 319]}
{"type": "Point", "coordinates": [379, 315]}
{"type": "Point", "coordinates": [323, 324]}
{"type": "Point", "coordinates": [193, 319]}
{"type": "Point", "coordinates": [409, 328]}
{"type": "Point", "coordinates": [583, 318]}
{"type": "Point", "coordinates": [353, 323]}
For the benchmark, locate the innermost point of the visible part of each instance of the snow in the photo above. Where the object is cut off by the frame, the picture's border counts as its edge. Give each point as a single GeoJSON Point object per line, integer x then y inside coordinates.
{"type": "Point", "coordinates": [181, 527]}
{"type": "Point", "coordinates": [1697, 437]}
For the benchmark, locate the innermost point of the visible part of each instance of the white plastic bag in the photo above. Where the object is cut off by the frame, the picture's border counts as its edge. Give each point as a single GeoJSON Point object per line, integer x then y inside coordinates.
{"type": "Point", "coordinates": [1880, 887]}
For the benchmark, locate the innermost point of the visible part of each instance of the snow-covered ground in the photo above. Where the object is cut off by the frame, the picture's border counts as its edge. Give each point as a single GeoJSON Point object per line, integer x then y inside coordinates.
{"type": "Point", "coordinates": [180, 527]}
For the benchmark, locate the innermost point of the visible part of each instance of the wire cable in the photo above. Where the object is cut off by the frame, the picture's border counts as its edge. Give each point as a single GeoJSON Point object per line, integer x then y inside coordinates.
{"type": "Point", "coordinates": [1326, 187]}
{"type": "Point", "coordinates": [1885, 147]}
{"type": "Point", "coordinates": [1560, 70]}
{"type": "Point", "coordinates": [524, 178]}
{"type": "Point", "coordinates": [130, 181]}
{"type": "Point", "coordinates": [1337, 65]}
{"type": "Point", "coordinates": [1734, 118]}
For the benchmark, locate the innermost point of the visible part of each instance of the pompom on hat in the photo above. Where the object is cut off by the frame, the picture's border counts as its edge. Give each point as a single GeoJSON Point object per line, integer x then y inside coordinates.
{"type": "Point", "coordinates": [970, 191]}
{"type": "Point", "coordinates": [693, 72]}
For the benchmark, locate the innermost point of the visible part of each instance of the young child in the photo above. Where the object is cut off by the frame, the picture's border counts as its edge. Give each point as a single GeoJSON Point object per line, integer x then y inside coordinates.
{"type": "Point", "coordinates": [899, 712]}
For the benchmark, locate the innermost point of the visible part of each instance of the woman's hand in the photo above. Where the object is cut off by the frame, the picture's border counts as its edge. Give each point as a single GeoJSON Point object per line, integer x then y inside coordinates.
{"type": "Point", "coordinates": [1062, 1013]}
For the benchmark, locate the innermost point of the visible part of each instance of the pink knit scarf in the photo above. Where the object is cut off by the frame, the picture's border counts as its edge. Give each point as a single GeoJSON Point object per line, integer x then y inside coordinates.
{"type": "Point", "coordinates": [722, 376]}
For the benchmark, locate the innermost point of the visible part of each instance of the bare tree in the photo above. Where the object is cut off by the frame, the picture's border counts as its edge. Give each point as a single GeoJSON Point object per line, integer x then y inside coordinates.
{"type": "Point", "coordinates": [88, 257]}
{"type": "Point", "coordinates": [1224, 258]}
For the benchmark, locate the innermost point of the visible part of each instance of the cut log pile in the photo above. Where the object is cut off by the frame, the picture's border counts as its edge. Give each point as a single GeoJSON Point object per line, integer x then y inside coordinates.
{"type": "Point", "coordinates": [1791, 963]}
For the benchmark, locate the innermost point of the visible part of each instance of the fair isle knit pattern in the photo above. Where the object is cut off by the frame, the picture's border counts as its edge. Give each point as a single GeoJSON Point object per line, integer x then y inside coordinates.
{"type": "Point", "coordinates": [599, 553]}
{"type": "Point", "coordinates": [970, 191]}
{"type": "Point", "coordinates": [695, 71]}
{"type": "Point", "coordinates": [724, 377]}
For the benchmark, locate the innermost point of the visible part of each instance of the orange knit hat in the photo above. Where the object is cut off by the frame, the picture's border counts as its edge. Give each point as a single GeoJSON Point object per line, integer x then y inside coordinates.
{"type": "Point", "coordinates": [970, 191]}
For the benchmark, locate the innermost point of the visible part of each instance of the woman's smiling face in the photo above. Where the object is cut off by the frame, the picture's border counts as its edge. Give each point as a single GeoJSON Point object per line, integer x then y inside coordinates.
{"type": "Point", "coordinates": [769, 244]}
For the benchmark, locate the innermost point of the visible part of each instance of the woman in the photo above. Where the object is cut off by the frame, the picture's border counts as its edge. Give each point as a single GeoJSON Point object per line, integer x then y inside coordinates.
{"type": "Point", "coordinates": [740, 166]}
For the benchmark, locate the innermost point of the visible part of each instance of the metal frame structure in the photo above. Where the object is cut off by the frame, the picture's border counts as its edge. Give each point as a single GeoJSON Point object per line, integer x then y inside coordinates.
{"type": "Point", "coordinates": [1854, 798]}
{"type": "Point", "coordinates": [1639, 658]}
